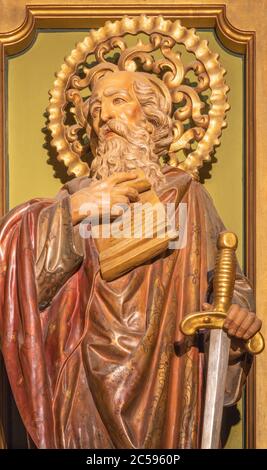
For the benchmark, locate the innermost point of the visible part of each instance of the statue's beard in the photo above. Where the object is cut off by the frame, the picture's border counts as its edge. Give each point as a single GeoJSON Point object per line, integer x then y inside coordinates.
{"type": "Point", "coordinates": [129, 148]}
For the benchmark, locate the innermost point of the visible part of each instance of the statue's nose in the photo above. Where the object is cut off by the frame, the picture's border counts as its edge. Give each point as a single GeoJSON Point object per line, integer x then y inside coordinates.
{"type": "Point", "coordinates": [107, 113]}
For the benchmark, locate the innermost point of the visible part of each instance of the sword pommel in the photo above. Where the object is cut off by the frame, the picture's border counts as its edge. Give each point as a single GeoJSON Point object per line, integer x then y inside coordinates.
{"type": "Point", "coordinates": [227, 240]}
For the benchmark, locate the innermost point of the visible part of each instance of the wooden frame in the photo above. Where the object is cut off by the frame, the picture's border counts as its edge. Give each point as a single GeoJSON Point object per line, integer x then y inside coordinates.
{"type": "Point", "coordinates": [231, 23]}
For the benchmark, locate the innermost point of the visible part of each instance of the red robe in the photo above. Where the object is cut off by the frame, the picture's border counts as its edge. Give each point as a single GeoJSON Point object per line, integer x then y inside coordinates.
{"type": "Point", "coordinates": [96, 364]}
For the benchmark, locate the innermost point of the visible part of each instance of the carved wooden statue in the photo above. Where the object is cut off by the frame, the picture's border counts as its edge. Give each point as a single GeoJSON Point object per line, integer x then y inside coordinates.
{"type": "Point", "coordinates": [90, 328]}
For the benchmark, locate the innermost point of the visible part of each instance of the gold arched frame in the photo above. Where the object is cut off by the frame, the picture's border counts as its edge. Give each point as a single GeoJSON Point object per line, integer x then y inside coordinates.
{"type": "Point", "coordinates": [240, 27]}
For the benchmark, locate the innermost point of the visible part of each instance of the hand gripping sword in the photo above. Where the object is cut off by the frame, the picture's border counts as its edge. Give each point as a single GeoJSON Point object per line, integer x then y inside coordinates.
{"type": "Point", "coordinates": [219, 343]}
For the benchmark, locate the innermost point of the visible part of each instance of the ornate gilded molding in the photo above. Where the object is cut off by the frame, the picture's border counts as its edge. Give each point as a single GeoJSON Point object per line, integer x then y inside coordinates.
{"type": "Point", "coordinates": [93, 14]}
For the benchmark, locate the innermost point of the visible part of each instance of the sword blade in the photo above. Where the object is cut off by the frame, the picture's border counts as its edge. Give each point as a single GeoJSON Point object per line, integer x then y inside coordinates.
{"type": "Point", "coordinates": [219, 346]}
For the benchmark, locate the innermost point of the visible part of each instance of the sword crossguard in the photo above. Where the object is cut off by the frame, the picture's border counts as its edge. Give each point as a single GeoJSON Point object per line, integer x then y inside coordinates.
{"type": "Point", "coordinates": [215, 320]}
{"type": "Point", "coordinates": [223, 284]}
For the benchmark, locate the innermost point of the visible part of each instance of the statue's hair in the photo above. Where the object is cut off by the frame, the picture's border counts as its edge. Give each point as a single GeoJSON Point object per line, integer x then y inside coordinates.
{"type": "Point", "coordinates": [152, 103]}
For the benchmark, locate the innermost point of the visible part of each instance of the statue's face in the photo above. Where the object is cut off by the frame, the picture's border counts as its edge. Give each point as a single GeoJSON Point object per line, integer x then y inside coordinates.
{"type": "Point", "coordinates": [113, 97]}
{"type": "Point", "coordinates": [122, 133]}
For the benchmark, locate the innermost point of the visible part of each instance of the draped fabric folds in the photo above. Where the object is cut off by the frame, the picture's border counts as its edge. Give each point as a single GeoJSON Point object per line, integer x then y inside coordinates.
{"type": "Point", "coordinates": [96, 364]}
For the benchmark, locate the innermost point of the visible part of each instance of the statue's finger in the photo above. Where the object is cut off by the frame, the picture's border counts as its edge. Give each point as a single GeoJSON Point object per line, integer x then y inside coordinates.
{"type": "Point", "coordinates": [231, 315]}
{"type": "Point", "coordinates": [238, 315]}
{"type": "Point", "coordinates": [207, 307]}
{"type": "Point", "coordinates": [254, 328]}
{"type": "Point", "coordinates": [128, 191]}
{"type": "Point", "coordinates": [121, 177]}
{"type": "Point", "coordinates": [245, 325]}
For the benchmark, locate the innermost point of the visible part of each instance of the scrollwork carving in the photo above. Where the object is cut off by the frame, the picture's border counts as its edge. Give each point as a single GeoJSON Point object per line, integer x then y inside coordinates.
{"type": "Point", "coordinates": [198, 118]}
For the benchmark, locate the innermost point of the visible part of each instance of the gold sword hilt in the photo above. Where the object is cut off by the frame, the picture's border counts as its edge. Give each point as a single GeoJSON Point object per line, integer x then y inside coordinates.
{"type": "Point", "coordinates": [223, 284]}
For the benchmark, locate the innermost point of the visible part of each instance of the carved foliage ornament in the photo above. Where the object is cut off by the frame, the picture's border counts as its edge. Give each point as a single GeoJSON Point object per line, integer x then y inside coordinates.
{"type": "Point", "coordinates": [198, 118]}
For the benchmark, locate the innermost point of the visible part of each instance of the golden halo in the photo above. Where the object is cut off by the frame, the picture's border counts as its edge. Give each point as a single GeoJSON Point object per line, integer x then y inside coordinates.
{"type": "Point", "coordinates": [75, 75]}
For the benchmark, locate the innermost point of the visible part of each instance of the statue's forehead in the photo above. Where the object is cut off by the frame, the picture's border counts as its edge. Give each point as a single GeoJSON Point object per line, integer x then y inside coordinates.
{"type": "Point", "coordinates": [111, 90]}
{"type": "Point", "coordinates": [115, 81]}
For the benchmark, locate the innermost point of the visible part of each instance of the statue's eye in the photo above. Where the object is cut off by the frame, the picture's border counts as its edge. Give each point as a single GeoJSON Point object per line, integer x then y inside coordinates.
{"type": "Point", "coordinates": [119, 100]}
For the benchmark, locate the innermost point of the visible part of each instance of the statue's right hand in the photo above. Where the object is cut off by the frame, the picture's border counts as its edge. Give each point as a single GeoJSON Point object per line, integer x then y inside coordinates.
{"type": "Point", "coordinates": [103, 196]}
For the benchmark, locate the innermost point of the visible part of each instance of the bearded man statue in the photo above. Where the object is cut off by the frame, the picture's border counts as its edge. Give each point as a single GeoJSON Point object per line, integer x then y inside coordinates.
{"type": "Point", "coordinates": [97, 364]}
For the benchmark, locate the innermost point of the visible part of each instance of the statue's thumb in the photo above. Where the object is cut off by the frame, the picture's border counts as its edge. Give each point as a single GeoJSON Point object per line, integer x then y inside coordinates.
{"type": "Point", "coordinates": [206, 307]}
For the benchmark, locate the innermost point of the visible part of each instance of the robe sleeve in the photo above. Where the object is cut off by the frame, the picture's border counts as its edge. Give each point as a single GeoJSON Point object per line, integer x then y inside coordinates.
{"type": "Point", "coordinates": [37, 240]}
{"type": "Point", "coordinates": [243, 296]}
{"type": "Point", "coordinates": [238, 371]}
{"type": "Point", "coordinates": [20, 326]}
{"type": "Point", "coordinates": [59, 250]}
